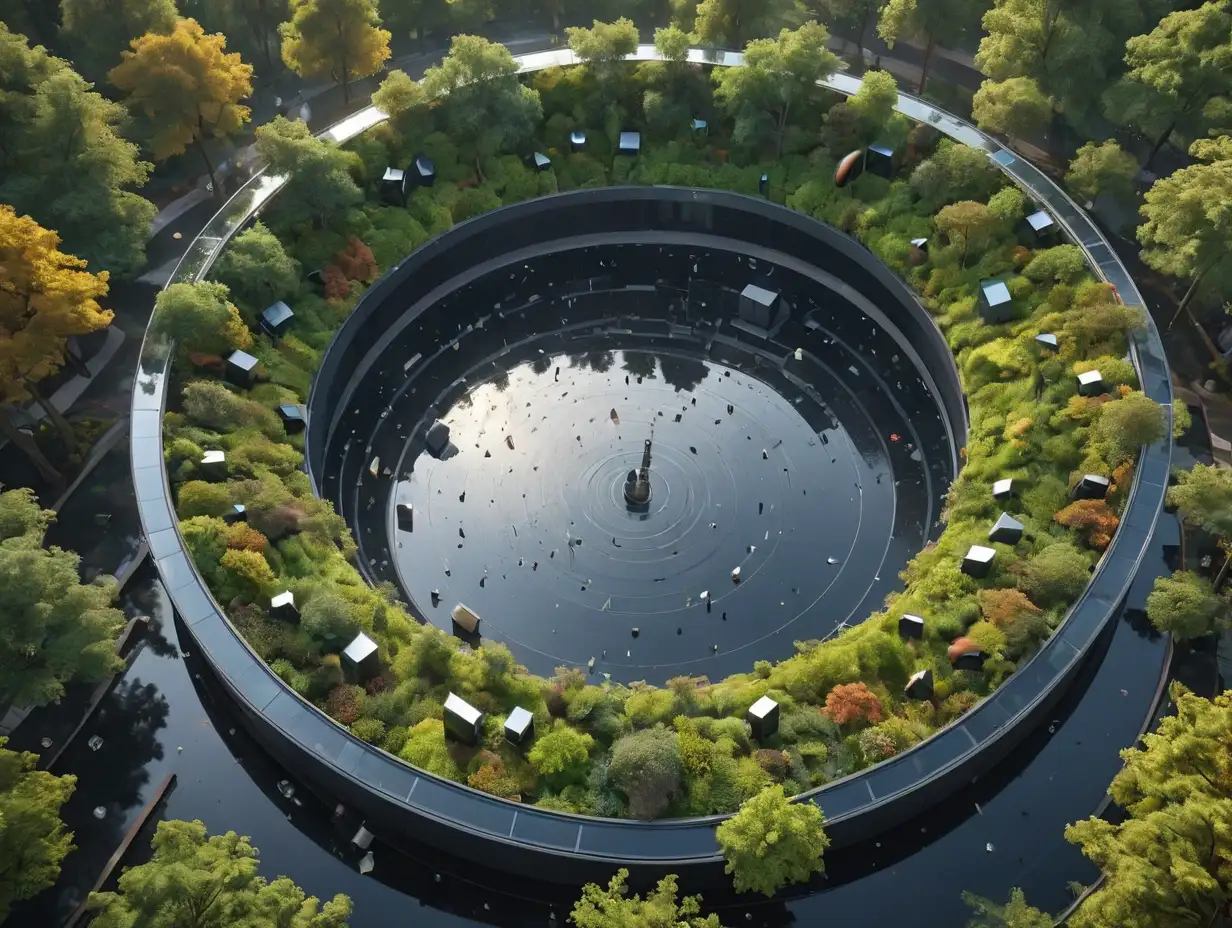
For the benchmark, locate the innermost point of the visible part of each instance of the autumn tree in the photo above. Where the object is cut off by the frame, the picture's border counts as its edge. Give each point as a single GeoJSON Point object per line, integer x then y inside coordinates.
{"type": "Point", "coordinates": [186, 88]}
{"type": "Point", "coordinates": [734, 23]}
{"type": "Point", "coordinates": [484, 105]}
{"type": "Point", "coordinates": [201, 318]}
{"type": "Point", "coordinates": [613, 907]}
{"type": "Point", "coordinates": [46, 296]}
{"type": "Point", "coordinates": [319, 178]}
{"type": "Point", "coordinates": [778, 75]}
{"type": "Point", "coordinates": [56, 628]}
{"type": "Point", "coordinates": [853, 703]}
{"type": "Point", "coordinates": [932, 22]}
{"type": "Point", "coordinates": [64, 160]}
{"type": "Point", "coordinates": [1188, 227]}
{"type": "Point", "coordinates": [1203, 498]}
{"type": "Point", "coordinates": [1179, 78]}
{"type": "Point", "coordinates": [1013, 107]}
{"type": "Point", "coordinates": [968, 224]}
{"type": "Point", "coordinates": [256, 269]}
{"type": "Point", "coordinates": [1094, 518]}
{"type": "Point", "coordinates": [98, 32]}
{"type": "Point", "coordinates": [772, 842]}
{"type": "Point", "coordinates": [1168, 862]}
{"type": "Point", "coordinates": [33, 841]}
{"type": "Point", "coordinates": [1102, 169]}
{"type": "Point", "coordinates": [338, 39]}
{"type": "Point", "coordinates": [206, 880]}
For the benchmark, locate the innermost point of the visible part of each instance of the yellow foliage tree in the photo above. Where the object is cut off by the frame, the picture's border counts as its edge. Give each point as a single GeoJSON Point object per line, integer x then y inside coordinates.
{"type": "Point", "coordinates": [187, 88]}
{"type": "Point", "coordinates": [45, 297]}
{"type": "Point", "coordinates": [338, 39]}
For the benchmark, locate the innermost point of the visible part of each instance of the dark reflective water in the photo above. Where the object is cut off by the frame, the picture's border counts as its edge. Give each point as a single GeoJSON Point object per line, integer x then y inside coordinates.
{"type": "Point", "coordinates": [526, 520]}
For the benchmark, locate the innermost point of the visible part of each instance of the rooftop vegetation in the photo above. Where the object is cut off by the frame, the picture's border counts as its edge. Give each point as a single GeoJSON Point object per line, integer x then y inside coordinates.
{"type": "Point", "coordinates": [648, 750]}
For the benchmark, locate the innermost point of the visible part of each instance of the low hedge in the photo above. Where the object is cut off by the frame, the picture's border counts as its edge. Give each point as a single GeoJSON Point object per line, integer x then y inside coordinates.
{"type": "Point", "coordinates": [680, 749]}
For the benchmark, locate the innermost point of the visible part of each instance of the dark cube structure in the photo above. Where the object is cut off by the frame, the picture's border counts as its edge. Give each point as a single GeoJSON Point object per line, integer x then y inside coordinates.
{"type": "Point", "coordinates": [539, 161]}
{"type": "Point", "coordinates": [437, 439]}
{"type": "Point", "coordinates": [577, 141]}
{"type": "Point", "coordinates": [316, 278]}
{"type": "Point", "coordinates": [996, 305]}
{"type": "Point", "coordinates": [519, 727]}
{"type": "Point", "coordinates": [879, 160]}
{"type": "Point", "coordinates": [360, 660]}
{"type": "Point", "coordinates": [911, 626]}
{"type": "Point", "coordinates": [282, 607]}
{"type": "Point", "coordinates": [1091, 383]}
{"type": "Point", "coordinates": [972, 660]}
{"type": "Point", "coordinates": [699, 125]}
{"type": "Point", "coordinates": [422, 172]}
{"type": "Point", "coordinates": [758, 305]}
{"type": "Point", "coordinates": [237, 513]}
{"type": "Point", "coordinates": [1043, 227]}
{"type": "Point", "coordinates": [276, 319]}
{"type": "Point", "coordinates": [213, 465]}
{"type": "Point", "coordinates": [763, 185]}
{"type": "Point", "coordinates": [763, 718]}
{"type": "Point", "coordinates": [920, 686]}
{"type": "Point", "coordinates": [463, 722]}
{"type": "Point", "coordinates": [630, 144]}
{"type": "Point", "coordinates": [393, 187]}
{"type": "Point", "coordinates": [977, 562]}
{"type": "Point", "coordinates": [406, 517]}
{"type": "Point", "coordinates": [1006, 530]}
{"type": "Point", "coordinates": [1046, 341]}
{"type": "Point", "coordinates": [292, 418]}
{"type": "Point", "coordinates": [1004, 489]}
{"type": "Point", "coordinates": [1091, 486]}
{"type": "Point", "coordinates": [241, 369]}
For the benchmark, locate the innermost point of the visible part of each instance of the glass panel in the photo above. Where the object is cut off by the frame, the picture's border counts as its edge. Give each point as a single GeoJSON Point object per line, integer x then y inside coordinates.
{"type": "Point", "coordinates": [176, 572]}
{"type": "Point", "coordinates": [146, 423]}
{"type": "Point", "coordinates": [163, 543]}
{"type": "Point", "coordinates": [658, 842]}
{"type": "Point", "coordinates": [464, 807]}
{"type": "Point", "coordinates": [257, 685]}
{"type": "Point", "coordinates": [539, 828]}
{"type": "Point", "coordinates": [193, 603]}
{"type": "Point", "coordinates": [844, 798]}
{"type": "Point", "coordinates": [155, 515]}
{"type": "Point", "coordinates": [386, 774]}
{"type": "Point", "coordinates": [148, 480]}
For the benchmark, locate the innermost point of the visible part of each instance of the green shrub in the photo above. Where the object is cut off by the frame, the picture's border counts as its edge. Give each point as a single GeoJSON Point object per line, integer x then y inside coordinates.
{"type": "Point", "coordinates": [646, 767]}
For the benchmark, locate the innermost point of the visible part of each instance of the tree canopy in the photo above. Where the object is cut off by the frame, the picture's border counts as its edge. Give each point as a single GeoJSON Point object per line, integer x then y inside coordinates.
{"type": "Point", "coordinates": [1102, 169]}
{"type": "Point", "coordinates": [1179, 78]}
{"type": "Point", "coordinates": [611, 906]}
{"type": "Point", "coordinates": [53, 627]}
{"type": "Point", "coordinates": [1203, 497]}
{"type": "Point", "coordinates": [778, 75]}
{"type": "Point", "coordinates": [1013, 107]}
{"type": "Point", "coordinates": [733, 23]}
{"type": "Point", "coordinates": [1168, 863]}
{"type": "Point", "coordinates": [209, 881]}
{"type": "Point", "coordinates": [771, 842]}
{"type": "Point", "coordinates": [33, 841]}
{"type": "Point", "coordinates": [201, 318]}
{"type": "Point", "coordinates": [64, 160]}
{"type": "Point", "coordinates": [98, 31]}
{"type": "Point", "coordinates": [1186, 606]}
{"type": "Point", "coordinates": [1014, 914]}
{"type": "Point", "coordinates": [319, 184]}
{"type": "Point", "coordinates": [933, 22]}
{"type": "Point", "coordinates": [256, 269]}
{"type": "Point", "coordinates": [186, 88]}
{"type": "Point", "coordinates": [339, 39]}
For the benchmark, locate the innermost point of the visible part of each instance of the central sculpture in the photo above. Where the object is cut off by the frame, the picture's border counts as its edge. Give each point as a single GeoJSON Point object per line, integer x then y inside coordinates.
{"type": "Point", "coordinates": [637, 483]}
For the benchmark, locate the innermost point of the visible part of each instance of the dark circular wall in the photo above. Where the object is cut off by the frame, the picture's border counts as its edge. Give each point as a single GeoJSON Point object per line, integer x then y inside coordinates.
{"type": "Point", "coordinates": [556, 338]}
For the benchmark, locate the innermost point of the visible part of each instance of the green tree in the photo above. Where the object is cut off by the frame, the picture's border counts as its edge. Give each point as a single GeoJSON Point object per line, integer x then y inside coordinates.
{"type": "Point", "coordinates": [1188, 227]}
{"type": "Point", "coordinates": [261, 19]}
{"type": "Point", "coordinates": [46, 297]}
{"type": "Point", "coordinates": [1179, 78]}
{"type": "Point", "coordinates": [673, 44]}
{"type": "Point", "coordinates": [1169, 862]}
{"type": "Point", "coordinates": [1102, 169]}
{"type": "Point", "coordinates": [338, 39]}
{"type": "Point", "coordinates": [1186, 606]}
{"type": "Point", "coordinates": [1013, 107]}
{"type": "Point", "coordinates": [613, 907]}
{"type": "Point", "coordinates": [1203, 497]}
{"type": "Point", "coordinates": [404, 100]}
{"type": "Point", "coordinates": [64, 161]}
{"type": "Point", "coordinates": [201, 318]}
{"type": "Point", "coordinates": [851, 17]}
{"type": "Point", "coordinates": [1014, 914]}
{"type": "Point", "coordinates": [54, 627]}
{"type": "Point", "coordinates": [319, 182]}
{"type": "Point", "coordinates": [197, 880]}
{"type": "Point", "coordinates": [930, 21]}
{"type": "Point", "coordinates": [873, 104]}
{"type": "Point", "coordinates": [771, 842]}
{"type": "Point", "coordinates": [256, 269]}
{"type": "Point", "coordinates": [98, 31]}
{"type": "Point", "coordinates": [484, 104]}
{"type": "Point", "coordinates": [1055, 575]}
{"type": "Point", "coordinates": [967, 223]}
{"type": "Point", "coordinates": [646, 767]}
{"type": "Point", "coordinates": [186, 88]}
{"type": "Point", "coordinates": [1126, 424]}
{"type": "Point", "coordinates": [603, 46]}
{"type": "Point", "coordinates": [33, 841]}
{"type": "Point", "coordinates": [734, 23]}
{"type": "Point", "coordinates": [954, 172]}
{"type": "Point", "coordinates": [778, 74]}
{"type": "Point", "coordinates": [562, 753]}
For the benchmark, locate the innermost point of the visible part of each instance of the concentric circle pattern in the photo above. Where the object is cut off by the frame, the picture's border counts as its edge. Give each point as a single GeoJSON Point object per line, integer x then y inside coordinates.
{"type": "Point", "coordinates": [792, 473]}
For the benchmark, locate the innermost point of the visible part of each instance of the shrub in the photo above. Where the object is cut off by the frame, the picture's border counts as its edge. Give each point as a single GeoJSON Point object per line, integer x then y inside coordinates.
{"type": "Point", "coordinates": [344, 703]}
{"type": "Point", "coordinates": [426, 748]}
{"type": "Point", "coordinates": [853, 703]}
{"type": "Point", "coordinates": [331, 618]}
{"type": "Point", "coordinates": [562, 753]}
{"type": "Point", "coordinates": [646, 767]}
{"type": "Point", "coordinates": [356, 262]}
{"type": "Point", "coordinates": [200, 318]}
{"type": "Point", "coordinates": [256, 269]}
{"type": "Point", "coordinates": [370, 730]}
{"type": "Point", "coordinates": [1125, 425]}
{"type": "Point", "coordinates": [1093, 517]}
{"type": "Point", "coordinates": [771, 842]}
{"type": "Point", "coordinates": [198, 498]}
